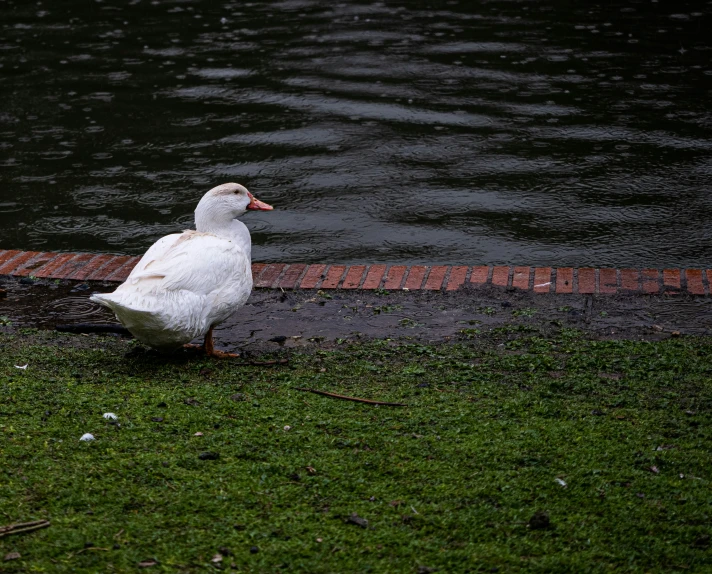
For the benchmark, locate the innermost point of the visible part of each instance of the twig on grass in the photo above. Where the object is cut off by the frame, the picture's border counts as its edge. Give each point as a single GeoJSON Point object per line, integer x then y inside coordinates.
{"type": "Point", "coordinates": [347, 398]}
{"type": "Point", "coordinates": [90, 548]}
{"type": "Point", "coordinates": [23, 527]}
{"type": "Point", "coordinates": [82, 328]}
{"type": "Point", "coordinates": [265, 363]}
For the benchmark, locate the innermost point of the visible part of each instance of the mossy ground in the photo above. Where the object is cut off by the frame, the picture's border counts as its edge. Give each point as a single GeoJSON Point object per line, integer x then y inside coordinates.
{"type": "Point", "coordinates": [449, 482]}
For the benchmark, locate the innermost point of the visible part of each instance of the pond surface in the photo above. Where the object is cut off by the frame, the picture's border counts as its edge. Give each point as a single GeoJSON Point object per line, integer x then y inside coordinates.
{"type": "Point", "coordinates": [461, 132]}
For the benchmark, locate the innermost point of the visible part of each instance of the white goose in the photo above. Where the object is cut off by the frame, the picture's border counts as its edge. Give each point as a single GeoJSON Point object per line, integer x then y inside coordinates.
{"type": "Point", "coordinates": [188, 283]}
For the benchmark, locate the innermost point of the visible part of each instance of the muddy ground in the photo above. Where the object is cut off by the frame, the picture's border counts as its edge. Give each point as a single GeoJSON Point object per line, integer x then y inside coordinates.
{"type": "Point", "coordinates": [274, 319]}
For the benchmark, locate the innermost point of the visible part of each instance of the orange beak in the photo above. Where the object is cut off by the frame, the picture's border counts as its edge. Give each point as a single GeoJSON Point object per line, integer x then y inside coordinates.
{"type": "Point", "coordinates": [257, 204]}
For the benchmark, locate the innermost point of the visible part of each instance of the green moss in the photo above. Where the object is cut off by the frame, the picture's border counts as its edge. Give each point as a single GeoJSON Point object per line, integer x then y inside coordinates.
{"type": "Point", "coordinates": [449, 482]}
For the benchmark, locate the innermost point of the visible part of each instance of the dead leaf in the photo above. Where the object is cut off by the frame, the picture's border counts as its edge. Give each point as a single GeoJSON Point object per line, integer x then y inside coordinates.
{"type": "Point", "coordinates": [147, 563]}
{"type": "Point", "coordinates": [539, 521]}
{"type": "Point", "coordinates": [311, 469]}
{"type": "Point", "coordinates": [357, 520]}
{"type": "Point", "coordinates": [12, 556]}
{"type": "Point", "coordinates": [217, 559]}
{"type": "Point", "coordinates": [654, 469]}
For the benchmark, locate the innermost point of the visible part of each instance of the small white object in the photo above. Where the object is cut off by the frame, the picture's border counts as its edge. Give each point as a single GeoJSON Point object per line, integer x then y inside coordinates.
{"type": "Point", "coordinates": [287, 427]}
{"type": "Point", "coordinates": [543, 284]}
{"type": "Point", "coordinates": [87, 436]}
{"type": "Point", "coordinates": [110, 416]}
{"type": "Point", "coordinates": [198, 434]}
{"type": "Point", "coordinates": [23, 367]}
{"type": "Point", "coordinates": [561, 482]}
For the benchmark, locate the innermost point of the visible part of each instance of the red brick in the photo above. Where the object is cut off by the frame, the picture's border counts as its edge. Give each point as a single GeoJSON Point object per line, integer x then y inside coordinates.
{"type": "Point", "coordinates": [520, 279]}
{"type": "Point", "coordinates": [694, 281]}
{"type": "Point", "coordinates": [394, 277]}
{"type": "Point", "coordinates": [671, 279]}
{"type": "Point", "coordinates": [458, 274]}
{"type": "Point", "coordinates": [607, 281]}
{"type": "Point", "coordinates": [122, 273]}
{"type": "Point", "coordinates": [291, 276]}
{"type": "Point", "coordinates": [312, 276]}
{"type": "Point", "coordinates": [76, 262]}
{"type": "Point", "coordinates": [436, 278]}
{"type": "Point", "coordinates": [257, 268]}
{"type": "Point", "coordinates": [374, 276]}
{"type": "Point", "coordinates": [542, 279]}
{"type": "Point", "coordinates": [31, 266]}
{"type": "Point", "coordinates": [114, 262]}
{"type": "Point", "coordinates": [500, 276]}
{"type": "Point", "coordinates": [17, 261]}
{"type": "Point", "coordinates": [651, 280]}
{"type": "Point", "coordinates": [416, 274]}
{"type": "Point", "coordinates": [708, 273]}
{"type": "Point", "coordinates": [333, 277]}
{"type": "Point", "coordinates": [7, 255]}
{"type": "Point", "coordinates": [586, 281]}
{"type": "Point", "coordinates": [270, 274]}
{"type": "Point", "coordinates": [353, 277]}
{"type": "Point", "coordinates": [93, 266]}
{"type": "Point", "coordinates": [630, 280]}
{"type": "Point", "coordinates": [48, 269]}
{"type": "Point", "coordinates": [479, 275]}
{"type": "Point", "coordinates": [565, 280]}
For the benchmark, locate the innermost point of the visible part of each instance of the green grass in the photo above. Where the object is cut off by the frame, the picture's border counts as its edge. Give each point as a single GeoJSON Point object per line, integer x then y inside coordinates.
{"type": "Point", "coordinates": [449, 482]}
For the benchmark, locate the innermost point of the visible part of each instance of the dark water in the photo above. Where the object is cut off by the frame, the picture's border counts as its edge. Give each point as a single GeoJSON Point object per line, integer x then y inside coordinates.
{"type": "Point", "coordinates": [456, 132]}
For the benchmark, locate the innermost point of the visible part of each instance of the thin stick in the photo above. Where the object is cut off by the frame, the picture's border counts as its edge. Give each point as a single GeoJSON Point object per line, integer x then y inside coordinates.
{"type": "Point", "coordinates": [94, 328]}
{"type": "Point", "coordinates": [266, 363]}
{"type": "Point", "coordinates": [23, 527]}
{"type": "Point", "coordinates": [91, 548]}
{"type": "Point", "coordinates": [346, 398]}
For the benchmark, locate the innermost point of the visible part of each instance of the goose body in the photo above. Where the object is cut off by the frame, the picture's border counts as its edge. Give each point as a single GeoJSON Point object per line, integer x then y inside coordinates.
{"type": "Point", "coordinates": [188, 283]}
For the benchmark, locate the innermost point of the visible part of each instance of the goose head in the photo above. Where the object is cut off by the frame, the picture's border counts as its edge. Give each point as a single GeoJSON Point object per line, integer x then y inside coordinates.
{"type": "Point", "coordinates": [224, 203]}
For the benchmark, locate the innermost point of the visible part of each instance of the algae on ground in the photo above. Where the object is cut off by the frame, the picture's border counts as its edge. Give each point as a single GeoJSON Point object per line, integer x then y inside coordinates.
{"type": "Point", "coordinates": [516, 452]}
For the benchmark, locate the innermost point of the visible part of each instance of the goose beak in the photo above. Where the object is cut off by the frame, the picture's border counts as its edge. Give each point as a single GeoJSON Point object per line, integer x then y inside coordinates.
{"type": "Point", "coordinates": [257, 204]}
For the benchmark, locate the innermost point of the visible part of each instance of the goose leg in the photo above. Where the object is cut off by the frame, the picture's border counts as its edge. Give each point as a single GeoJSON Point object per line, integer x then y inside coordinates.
{"type": "Point", "coordinates": [210, 351]}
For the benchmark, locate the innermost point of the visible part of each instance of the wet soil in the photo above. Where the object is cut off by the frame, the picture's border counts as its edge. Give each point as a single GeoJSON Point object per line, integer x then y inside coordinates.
{"type": "Point", "coordinates": [274, 319]}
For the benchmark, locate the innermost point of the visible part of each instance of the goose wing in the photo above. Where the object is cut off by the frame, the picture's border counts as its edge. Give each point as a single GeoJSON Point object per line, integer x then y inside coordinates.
{"type": "Point", "coordinates": [198, 262]}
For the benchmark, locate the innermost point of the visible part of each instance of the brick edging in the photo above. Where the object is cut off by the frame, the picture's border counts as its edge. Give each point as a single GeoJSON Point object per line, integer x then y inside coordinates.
{"type": "Point", "coordinates": [561, 280]}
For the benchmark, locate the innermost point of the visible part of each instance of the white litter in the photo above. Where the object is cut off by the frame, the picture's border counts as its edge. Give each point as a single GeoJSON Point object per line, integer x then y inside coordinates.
{"type": "Point", "coordinates": [198, 434]}
{"type": "Point", "coordinates": [110, 416]}
{"type": "Point", "coordinates": [23, 367]}
{"type": "Point", "coordinates": [543, 284]}
{"type": "Point", "coordinates": [561, 482]}
{"type": "Point", "coordinates": [287, 427]}
{"type": "Point", "coordinates": [87, 436]}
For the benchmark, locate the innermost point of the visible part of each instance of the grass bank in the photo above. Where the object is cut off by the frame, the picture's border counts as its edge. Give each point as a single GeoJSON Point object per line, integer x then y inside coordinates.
{"type": "Point", "coordinates": [515, 452]}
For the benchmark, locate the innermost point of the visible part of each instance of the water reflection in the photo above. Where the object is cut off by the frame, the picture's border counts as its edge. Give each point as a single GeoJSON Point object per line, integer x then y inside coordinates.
{"type": "Point", "coordinates": [450, 131]}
